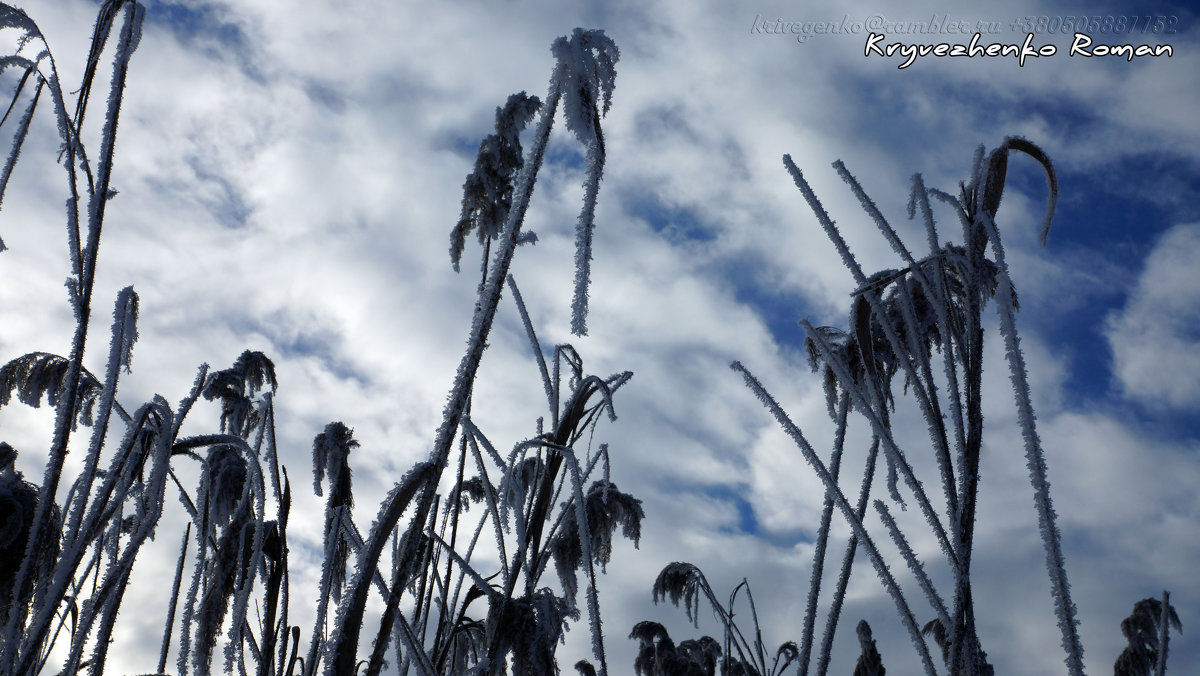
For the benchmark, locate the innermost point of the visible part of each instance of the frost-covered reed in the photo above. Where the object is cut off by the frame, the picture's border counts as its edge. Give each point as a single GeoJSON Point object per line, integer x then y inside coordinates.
{"type": "Point", "coordinates": [548, 503]}
{"type": "Point", "coordinates": [898, 320]}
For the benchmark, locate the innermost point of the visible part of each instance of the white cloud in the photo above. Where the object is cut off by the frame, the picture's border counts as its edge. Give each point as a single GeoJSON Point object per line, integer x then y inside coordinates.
{"type": "Point", "coordinates": [1154, 338]}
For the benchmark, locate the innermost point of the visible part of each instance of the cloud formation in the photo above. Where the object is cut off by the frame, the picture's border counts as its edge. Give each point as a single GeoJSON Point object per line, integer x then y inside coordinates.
{"type": "Point", "coordinates": [1155, 345]}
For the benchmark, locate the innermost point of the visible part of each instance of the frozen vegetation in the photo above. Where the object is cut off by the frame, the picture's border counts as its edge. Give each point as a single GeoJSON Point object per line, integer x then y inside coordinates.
{"type": "Point", "coordinates": [545, 503]}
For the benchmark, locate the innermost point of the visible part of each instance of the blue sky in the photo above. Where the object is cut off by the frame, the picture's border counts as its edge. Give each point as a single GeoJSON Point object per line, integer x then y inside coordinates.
{"type": "Point", "coordinates": [289, 175]}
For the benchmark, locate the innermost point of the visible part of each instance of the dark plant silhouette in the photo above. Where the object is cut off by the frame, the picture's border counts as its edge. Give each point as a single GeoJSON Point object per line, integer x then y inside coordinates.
{"type": "Point", "coordinates": [1147, 629]}
{"type": "Point", "coordinates": [897, 317]}
{"type": "Point", "coordinates": [658, 655]}
{"type": "Point", "coordinates": [898, 321]}
{"type": "Point", "coordinates": [870, 663]}
{"type": "Point", "coordinates": [550, 501]}
{"type": "Point", "coordinates": [740, 654]}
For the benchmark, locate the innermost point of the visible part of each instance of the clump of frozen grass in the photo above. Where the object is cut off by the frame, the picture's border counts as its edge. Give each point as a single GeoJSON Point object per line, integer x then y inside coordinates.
{"type": "Point", "coordinates": [548, 503]}
{"type": "Point", "coordinates": [737, 654]}
{"type": "Point", "coordinates": [521, 493]}
{"type": "Point", "coordinates": [918, 321]}
{"type": "Point", "coordinates": [898, 318]}
{"type": "Point", "coordinates": [1147, 629]}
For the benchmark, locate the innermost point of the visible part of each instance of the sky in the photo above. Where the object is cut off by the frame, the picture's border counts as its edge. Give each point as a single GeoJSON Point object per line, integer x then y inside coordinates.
{"type": "Point", "coordinates": [289, 174]}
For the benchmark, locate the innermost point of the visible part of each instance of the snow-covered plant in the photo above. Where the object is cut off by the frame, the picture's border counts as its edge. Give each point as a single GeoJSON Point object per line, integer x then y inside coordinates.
{"type": "Point", "coordinates": [741, 655]}
{"type": "Point", "coordinates": [658, 655]}
{"type": "Point", "coordinates": [898, 321]}
{"type": "Point", "coordinates": [550, 502]}
{"type": "Point", "coordinates": [1146, 630]}
{"type": "Point", "coordinates": [536, 501]}
{"type": "Point", "coordinates": [110, 512]}
{"type": "Point", "coordinates": [870, 662]}
{"type": "Point", "coordinates": [240, 553]}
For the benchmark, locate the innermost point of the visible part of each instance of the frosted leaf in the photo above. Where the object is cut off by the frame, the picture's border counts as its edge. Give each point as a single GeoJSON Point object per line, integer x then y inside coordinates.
{"type": "Point", "coordinates": [606, 508]}
{"type": "Point", "coordinates": [11, 17]}
{"type": "Point", "coordinates": [682, 581]}
{"type": "Point", "coordinates": [349, 615]}
{"type": "Point", "coordinates": [331, 453]}
{"type": "Point", "coordinates": [533, 341]}
{"type": "Point", "coordinates": [586, 76]}
{"type": "Point", "coordinates": [589, 74]}
{"type": "Point", "coordinates": [995, 175]}
{"type": "Point", "coordinates": [488, 190]}
{"type": "Point", "coordinates": [594, 621]}
{"type": "Point", "coordinates": [236, 386]}
{"type": "Point", "coordinates": [583, 246]}
{"type": "Point", "coordinates": [870, 663]}
{"type": "Point", "coordinates": [125, 325]}
{"type": "Point", "coordinates": [39, 374]}
{"type": "Point", "coordinates": [1064, 607]}
{"type": "Point", "coordinates": [225, 473]}
{"type": "Point", "coordinates": [823, 218]}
